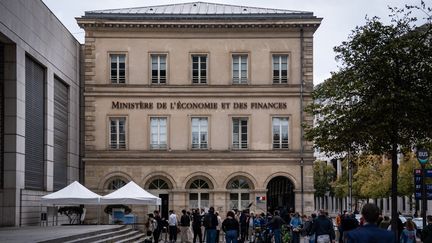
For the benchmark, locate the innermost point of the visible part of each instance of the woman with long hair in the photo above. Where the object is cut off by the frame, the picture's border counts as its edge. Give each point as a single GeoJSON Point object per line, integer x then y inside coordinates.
{"type": "Point", "coordinates": [231, 228]}
{"type": "Point", "coordinates": [408, 235]}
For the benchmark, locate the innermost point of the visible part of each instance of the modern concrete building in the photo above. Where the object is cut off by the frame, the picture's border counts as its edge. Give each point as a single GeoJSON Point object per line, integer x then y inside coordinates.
{"type": "Point", "coordinates": [201, 104]}
{"type": "Point", "coordinates": [39, 109]}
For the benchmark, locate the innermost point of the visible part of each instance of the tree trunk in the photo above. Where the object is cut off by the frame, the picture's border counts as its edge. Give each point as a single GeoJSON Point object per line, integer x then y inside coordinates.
{"type": "Point", "coordinates": [394, 213]}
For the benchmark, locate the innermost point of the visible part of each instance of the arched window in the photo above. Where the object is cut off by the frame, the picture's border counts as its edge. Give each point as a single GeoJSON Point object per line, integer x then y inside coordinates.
{"type": "Point", "coordinates": [239, 193]}
{"type": "Point", "coordinates": [199, 196]}
{"type": "Point", "coordinates": [116, 184]}
{"type": "Point", "coordinates": [199, 184]}
{"type": "Point", "coordinates": [158, 184]}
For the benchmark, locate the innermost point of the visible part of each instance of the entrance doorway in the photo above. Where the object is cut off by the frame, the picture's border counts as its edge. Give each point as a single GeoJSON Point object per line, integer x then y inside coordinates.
{"type": "Point", "coordinates": [280, 194]}
{"type": "Point", "coordinates": [164, 206]}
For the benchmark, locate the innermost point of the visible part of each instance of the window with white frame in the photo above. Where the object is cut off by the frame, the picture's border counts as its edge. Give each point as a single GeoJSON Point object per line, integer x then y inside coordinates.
{"type": "Point", "coordinates": [199, 132]}
{"type": "Point", "coordinates": [116, 183]}
{"type": "Point", "coordinates": [158, 184]}
{"type": "Point", "coordinates": [280, 69]}
{"type": "Point", "coordinates": [280, 132]}
{"type": "Point", "coordinates": [240, 68]}
{"type": "Point", "coordinates": [199, 69]}
{"type": "Point", "coordinates": [199, 196]}
{"type": "Point", "coordinates": [239, 193]}
{"type": "Point", "coordinates": [117, 133]}
{"type": "Point", "coordinates": [158, 68]}
{"type": "Point", "coordinates": [240, 133]}
{"type": "Point", "coordinates": [158, 132]}
{"type": "Point", "coordinates": [118, 68]}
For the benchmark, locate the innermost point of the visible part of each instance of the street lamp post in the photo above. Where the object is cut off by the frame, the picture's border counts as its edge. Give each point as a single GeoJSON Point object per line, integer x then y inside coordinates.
{"type": "Point", "coordinates": [350, 184]}
{"type": "Point", "coordinates": [302, 185]}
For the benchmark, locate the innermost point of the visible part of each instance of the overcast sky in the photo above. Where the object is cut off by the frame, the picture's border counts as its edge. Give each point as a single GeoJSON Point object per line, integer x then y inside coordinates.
{"type": "Point", "coordinates": [340, 17]}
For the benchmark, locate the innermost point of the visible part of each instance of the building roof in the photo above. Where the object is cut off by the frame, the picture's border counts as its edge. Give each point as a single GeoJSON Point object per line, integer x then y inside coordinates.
{"type": "Point", "coordinates": [197, 10]}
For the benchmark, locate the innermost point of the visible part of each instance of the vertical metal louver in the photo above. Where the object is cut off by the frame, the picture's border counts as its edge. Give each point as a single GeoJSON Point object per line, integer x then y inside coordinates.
{"type": "Point", "coordinates": [61, 115]}
{"type": "Point", "coordinates": [34, 125]}
{"type": "Point", "coordinates": [2, 59]}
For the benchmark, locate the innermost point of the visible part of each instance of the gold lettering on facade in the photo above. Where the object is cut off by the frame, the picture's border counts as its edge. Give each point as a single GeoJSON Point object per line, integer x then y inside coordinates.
{"type": "Point", "coordinates": [198, 105]}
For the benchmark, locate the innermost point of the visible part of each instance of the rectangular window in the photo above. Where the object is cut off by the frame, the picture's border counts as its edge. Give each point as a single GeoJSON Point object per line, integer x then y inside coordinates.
{"type": "Point", "coordinates": [118, 133]}
{"type": "Point", "coordinates": [199, 133]}
{"type": "Point", "coordinates": [118, 68]}
{"type": "Point", "coordinates": [199, 69]}
{"type": "Point", "coordinates": [280, 132]}
{"type": "Point", "coordinates": [158, 68]}
{"type": "Point", "coordinates": [240, 69]}
{"type": "Point", "coordinates": [280, 69]}
{"type": "Point", "coordinates": [158, 133]}
{"type": "Point", "coordinates": [240, 133]}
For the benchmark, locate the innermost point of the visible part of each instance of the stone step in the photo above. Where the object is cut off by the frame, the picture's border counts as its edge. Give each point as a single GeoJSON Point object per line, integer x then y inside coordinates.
{"type": "Point", "coordinates": [137, 238]}
{"type": "Point", "coordinates": [101, 236]}
{"type": "Point", "coordinates": [118, 238]}
{"type": "Point", "coordinates": [72, 238]}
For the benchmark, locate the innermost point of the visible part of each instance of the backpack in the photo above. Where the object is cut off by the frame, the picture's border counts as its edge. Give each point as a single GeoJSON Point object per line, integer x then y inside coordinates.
{"type": "Point", "coordinates": [185, 220]}
{"type": "Point", "coordinates": [208, 221]}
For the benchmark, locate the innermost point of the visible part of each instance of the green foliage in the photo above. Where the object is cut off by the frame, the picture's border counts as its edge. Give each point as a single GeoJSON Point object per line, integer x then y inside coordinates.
{"type": "Point", "coordinates": [373, 177]}
{"type": "Point", "coordinates": [340, 185]}
{"type": "Point", "coordinates": [323, 177]}
{"type": "Point", "coordinates": [382, 93]}
{"type": "Point", "coordinates": [108, 209]}
{"type": "Point", "coordinates": [406, 178]}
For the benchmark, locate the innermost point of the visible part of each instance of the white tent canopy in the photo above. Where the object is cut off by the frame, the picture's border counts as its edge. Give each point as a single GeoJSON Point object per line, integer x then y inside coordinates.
{"type": "Point", "coordinates": [131, 193]}
{"type": "Point", "coordinates": [73, 194]}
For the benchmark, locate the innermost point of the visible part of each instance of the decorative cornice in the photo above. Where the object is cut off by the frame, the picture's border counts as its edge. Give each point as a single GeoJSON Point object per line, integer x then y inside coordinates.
{"type": "Point", "coordinates": [95, 25]}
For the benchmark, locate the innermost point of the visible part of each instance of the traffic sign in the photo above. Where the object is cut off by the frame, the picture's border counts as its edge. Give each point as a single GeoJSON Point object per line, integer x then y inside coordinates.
{"type": "Point", "coordinates": [417, 173]}
{"type": "Point", "coordinates": [418, 195]}
{"type": "Point", "coordinates": [428, 187]}
{"type": "Point", "coordinates": [422, 156]}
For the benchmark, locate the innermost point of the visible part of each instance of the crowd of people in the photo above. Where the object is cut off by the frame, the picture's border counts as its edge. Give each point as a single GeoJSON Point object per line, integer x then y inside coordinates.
{"type": "Point", "coordinates": [244, 226]}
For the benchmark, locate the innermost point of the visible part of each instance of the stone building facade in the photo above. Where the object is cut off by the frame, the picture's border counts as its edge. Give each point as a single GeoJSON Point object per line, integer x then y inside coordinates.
{"type": "Point", "coordinates": [200, 104]}
{"type": "Point", "coordinates": [39, 109]}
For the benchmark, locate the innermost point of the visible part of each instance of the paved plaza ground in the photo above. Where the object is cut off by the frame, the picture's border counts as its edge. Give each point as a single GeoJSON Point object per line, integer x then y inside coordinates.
{"type": "Point", "coordinates": [36, 234]}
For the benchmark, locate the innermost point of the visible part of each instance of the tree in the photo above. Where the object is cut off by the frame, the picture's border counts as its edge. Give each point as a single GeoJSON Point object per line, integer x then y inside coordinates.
{"type": "Point", "coordinates": [380, 99]}
{"type": "Point", "coordinates": [323, 177]}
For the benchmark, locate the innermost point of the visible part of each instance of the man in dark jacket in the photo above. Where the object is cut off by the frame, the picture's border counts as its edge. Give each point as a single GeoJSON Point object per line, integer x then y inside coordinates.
{"type": "Point", "coordinates": [426, 235]}
{"type": "Point", "coordinates": [276, 224]}
{"type": "Point", "coordinates": [159, 226]}
{"type": "Point", "coordinates": [184, 226]}
{"type": "Point", "coordinates": [370, 232]}
{"type": "Point", "coordinates": [243, 225]}
{"type": "Point", "coordinates": [348, 223]}
{"type": "Point", "coordinates": [210, 223]}
{"type": "Point", "coordinates": [323, 228]}
{"type": "Point", "coordinates": [196, 225]}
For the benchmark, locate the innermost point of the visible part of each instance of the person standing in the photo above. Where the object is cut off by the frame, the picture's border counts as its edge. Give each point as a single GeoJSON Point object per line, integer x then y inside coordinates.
{"type": "Point", "coordinates": [210, 224]}
{"type": "Point", "coordinates": [250, 223]}
{"type": "Point", "coordinates": [296, 227]}
{"type": "Point", "coordinates": [151, 224]}
{"type": "Point", "coordinates": [370, 231]}
{"type": "Point", "coordinates": [159, 226]}
{"type": "Point", "coordinates": [348, 223]}
{"type": "Point", "coordinates": [385, 223]}
{"type": "Point", "coordinates": [323, 229]}
{"type": "Point", "coordinates": [409, 233]}
{"type": "Point", "coordinates": [172, 225]}
{"type": "Point", "coordinates": [276, 223]}
{"type": "Point", "coordinates": [243, 226]}
{"type": "Point", "coordinates": [184, 226]}
{"type": "Point", "coordinates": [426, 235]}
{"type": "Point", "coordinates": [219, 226]}
{"type": "Point", "coordinates": [196, 225]}
{"type": "Point", "coordinates": [231, 228]}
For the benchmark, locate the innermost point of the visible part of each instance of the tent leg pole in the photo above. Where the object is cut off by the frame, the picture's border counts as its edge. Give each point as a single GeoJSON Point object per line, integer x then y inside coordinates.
{"type": "Point", "coordinates": [99, 207]}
